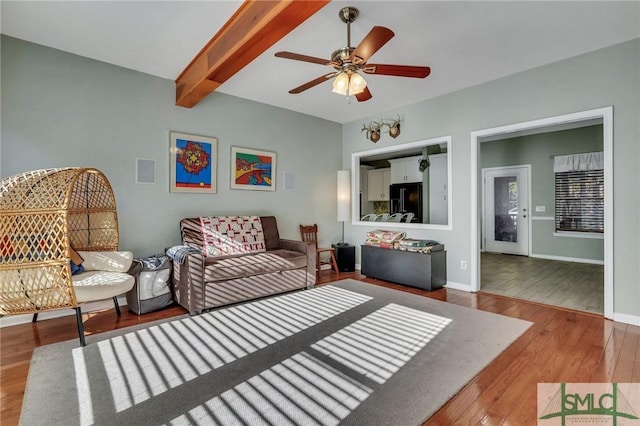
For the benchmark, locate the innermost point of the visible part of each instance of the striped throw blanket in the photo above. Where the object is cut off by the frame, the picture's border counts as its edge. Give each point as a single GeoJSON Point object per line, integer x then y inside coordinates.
{"type": "Point", "coordinates": [180, 253]}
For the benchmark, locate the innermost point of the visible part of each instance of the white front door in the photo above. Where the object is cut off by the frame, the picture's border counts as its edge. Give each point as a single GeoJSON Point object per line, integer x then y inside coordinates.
{"type": "Point", "coordinates": [506, 210]}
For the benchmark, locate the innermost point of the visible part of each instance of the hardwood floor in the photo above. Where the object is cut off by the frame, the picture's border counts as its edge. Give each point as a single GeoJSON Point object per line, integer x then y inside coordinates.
{"type": "Point", "coordinates": [568, 284]}
{"type": "Point", "coordinates": [561, 346]}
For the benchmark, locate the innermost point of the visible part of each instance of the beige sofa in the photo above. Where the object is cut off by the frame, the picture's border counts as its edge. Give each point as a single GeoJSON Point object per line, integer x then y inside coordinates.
{"type": "Point", "coordinates": [237, 258]}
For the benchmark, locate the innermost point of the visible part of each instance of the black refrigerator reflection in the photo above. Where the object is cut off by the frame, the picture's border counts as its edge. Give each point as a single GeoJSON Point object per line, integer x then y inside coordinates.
{"type": "Point", "coordinates": [406, 198]}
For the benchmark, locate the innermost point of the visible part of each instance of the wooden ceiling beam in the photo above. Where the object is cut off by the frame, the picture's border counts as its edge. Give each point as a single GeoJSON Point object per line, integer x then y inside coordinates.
{"type": "Point", "coordinates": [255, 27]}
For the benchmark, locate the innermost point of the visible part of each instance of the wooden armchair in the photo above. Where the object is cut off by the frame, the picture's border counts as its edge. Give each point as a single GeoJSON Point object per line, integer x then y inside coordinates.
{"type": "Point", "coordinates": [309, 233]}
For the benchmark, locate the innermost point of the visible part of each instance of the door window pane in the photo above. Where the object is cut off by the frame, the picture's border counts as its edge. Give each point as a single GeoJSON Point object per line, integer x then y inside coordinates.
{"type": "Point", "coordinates": [505, 195]}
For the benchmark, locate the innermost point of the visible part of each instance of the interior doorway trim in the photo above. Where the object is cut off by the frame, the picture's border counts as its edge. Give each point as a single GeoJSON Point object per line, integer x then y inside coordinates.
{"type": "Point", "coordinates": [606, 115]}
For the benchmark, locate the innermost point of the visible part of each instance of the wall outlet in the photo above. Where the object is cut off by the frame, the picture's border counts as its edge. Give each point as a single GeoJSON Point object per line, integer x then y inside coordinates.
{"type": "Point", "coordinates": [463, 264]}
{"type": "Point", "coordinates": [540, 209]}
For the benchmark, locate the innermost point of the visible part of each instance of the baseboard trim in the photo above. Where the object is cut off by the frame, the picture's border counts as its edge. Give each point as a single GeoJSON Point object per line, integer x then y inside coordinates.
{"type": "Point", "coordinates": [568, 259]}
{"type": "Point", "coordinates": [99, 305]}
{"type": "Point", "coordinates": [627, 319]}
{"type": "Point", "coordinates": [459, 286]}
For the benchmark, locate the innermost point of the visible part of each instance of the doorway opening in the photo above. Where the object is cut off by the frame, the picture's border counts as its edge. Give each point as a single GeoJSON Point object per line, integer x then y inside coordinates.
{"type": "Point", "coordinates": [603, 116]}
{"type": "Point", "coordinates": [570, 285]}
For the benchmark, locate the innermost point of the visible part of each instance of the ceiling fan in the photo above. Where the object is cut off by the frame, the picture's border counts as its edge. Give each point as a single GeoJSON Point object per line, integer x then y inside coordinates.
{"type": "Point", "coordinates": [347, 61]}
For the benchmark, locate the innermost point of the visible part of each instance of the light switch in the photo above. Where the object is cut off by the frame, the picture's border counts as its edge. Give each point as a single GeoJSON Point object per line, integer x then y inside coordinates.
{"type": "Point", "coordinates": [540, 208]}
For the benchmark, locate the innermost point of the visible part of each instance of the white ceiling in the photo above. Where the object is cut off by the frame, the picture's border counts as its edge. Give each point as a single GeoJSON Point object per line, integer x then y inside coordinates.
{"type": "Point", "coordinates": [464, 43]}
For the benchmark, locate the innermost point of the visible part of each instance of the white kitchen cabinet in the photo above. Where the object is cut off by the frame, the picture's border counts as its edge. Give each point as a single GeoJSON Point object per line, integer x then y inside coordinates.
{"type": "Point", "coordinates": [365, 206]}
{"type": "Point", "coordinates": [378, 181]}
{"type": "Point", "coordinates": [438, 191]}
{"type": "Point", "coordinates": [405, 170]}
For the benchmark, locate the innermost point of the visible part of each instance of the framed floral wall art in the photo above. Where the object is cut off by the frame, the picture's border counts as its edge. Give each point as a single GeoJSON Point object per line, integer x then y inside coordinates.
{"type": "Point", "coordinates": [253, 169]}
{"type": "Point", "coordinates": [193, 163]}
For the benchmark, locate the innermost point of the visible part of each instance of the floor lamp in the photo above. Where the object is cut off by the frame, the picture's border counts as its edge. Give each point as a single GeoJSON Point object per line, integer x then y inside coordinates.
{"type": "Point", "coordinates": [344, 199]}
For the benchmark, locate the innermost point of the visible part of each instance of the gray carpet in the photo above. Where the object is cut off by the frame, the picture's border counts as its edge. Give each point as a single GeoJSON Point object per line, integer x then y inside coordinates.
{"type": "Point", "coordinates": [349, 353]}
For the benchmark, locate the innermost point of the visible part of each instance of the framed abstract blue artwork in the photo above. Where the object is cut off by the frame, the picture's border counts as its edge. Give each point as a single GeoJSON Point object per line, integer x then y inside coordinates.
{"type": "Point", "coordinates": [193, 163]}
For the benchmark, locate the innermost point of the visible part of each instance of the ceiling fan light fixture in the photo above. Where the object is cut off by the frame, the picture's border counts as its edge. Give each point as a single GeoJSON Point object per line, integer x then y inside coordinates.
{"type": "Point", "coordinates": [341, 84]}
{"type": "Point", "coordinates": [348, 61]}
{"type": "Point", "coordinates": [356, 84]}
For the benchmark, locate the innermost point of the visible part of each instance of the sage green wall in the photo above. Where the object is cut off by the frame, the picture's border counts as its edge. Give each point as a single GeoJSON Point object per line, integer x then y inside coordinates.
{"type": "Point", "coordinates": [535, 150]}
{"type": "Point", "coordinates": [594, 80]}
{"type": "Point", "coordinates": [60, 110]}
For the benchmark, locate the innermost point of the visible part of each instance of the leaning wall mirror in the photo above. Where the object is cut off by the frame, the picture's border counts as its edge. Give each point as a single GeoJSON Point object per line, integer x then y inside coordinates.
{"type": "Point", "coordinates": [406, 185]}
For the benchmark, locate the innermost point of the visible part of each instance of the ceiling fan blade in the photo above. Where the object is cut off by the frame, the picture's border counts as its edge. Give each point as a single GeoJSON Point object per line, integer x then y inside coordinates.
{"type": "Point", "coordinates": [303, 58]}
{"type": "Point", "coordinates": [377, 37]}
{"type": "Point", "coordinates": [312, 83]}
{"type": "Point", "coordinates": [365, 95]}
{"type": "Point", "coordinates": [397, 70]}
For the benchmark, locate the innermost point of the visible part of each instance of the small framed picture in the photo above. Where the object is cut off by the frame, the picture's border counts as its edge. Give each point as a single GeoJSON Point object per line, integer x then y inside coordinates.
{"type": "Point", "coordinates": [253, 169]}
{"type": "Point", "coordinates": [193, 163]}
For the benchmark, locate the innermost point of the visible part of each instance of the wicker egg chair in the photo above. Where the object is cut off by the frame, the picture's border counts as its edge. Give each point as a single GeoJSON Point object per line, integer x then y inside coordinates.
{"type": "Point", "coordinates": [43, 214]}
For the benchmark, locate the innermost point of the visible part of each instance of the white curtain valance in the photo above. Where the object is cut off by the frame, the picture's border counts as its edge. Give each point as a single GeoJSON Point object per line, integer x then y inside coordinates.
{"type": "Point", "coordinates": [578, 162]}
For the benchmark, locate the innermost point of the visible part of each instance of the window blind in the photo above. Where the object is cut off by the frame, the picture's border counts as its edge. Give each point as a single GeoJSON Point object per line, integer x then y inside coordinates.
{"type": "Point", "coordinates": [580, 201]}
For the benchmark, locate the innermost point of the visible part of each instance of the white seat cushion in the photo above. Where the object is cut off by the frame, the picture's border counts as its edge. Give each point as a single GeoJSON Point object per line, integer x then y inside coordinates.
{"type": "Point", "coordinates": [99, 285]}
{"type": "Point", "coordinates": [113, 261]}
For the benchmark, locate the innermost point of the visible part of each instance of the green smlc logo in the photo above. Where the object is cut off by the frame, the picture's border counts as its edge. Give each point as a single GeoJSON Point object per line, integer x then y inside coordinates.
{"type": "Point", "coordinates": [564, 404]}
